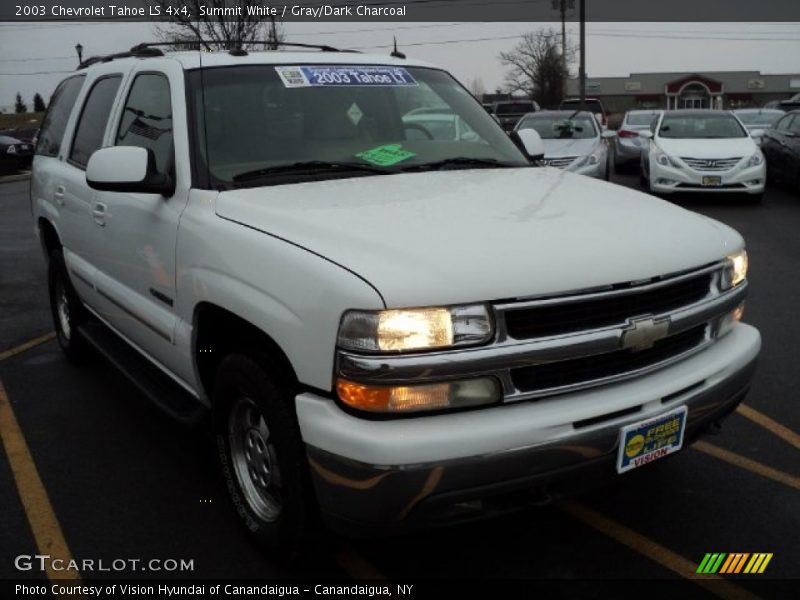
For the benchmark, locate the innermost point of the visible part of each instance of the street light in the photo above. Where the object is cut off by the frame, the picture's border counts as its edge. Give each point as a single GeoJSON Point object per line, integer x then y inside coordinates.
{"type": "Point", "coordinates": [79, 50]}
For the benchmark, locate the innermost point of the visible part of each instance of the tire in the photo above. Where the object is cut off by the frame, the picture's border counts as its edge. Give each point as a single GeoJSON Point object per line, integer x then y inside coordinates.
{"type": "Point", "coordinates": [262, 456]}
{"type": "Point", "coordinates": [67, 310]}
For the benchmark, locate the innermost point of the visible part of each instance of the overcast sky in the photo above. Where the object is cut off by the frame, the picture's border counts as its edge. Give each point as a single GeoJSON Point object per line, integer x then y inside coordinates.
{"type": "Point", "coordinates": [34, 57]}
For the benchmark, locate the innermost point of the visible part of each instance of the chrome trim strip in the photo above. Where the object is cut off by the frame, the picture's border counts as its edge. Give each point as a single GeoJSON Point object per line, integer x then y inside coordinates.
{"type": "Point", "coordinates": [497, 359]}
{"type": "Point", "coordinates": [129, 312]}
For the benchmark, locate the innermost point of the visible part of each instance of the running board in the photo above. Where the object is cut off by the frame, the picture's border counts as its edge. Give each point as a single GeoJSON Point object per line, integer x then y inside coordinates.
{"type": "Point", "coordinates": [163, 391]}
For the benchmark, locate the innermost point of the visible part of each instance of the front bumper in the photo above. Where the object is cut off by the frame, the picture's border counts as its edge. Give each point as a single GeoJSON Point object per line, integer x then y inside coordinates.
{"type": "Point", "coordinates": [385, 476]}
{"type": "Point", "coordinates": [666, 179]}
{"type": "Point", "coordinates": [597, 170]}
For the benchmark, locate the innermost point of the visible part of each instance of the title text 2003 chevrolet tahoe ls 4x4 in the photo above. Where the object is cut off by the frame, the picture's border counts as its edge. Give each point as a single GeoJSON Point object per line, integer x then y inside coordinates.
{"type": "Point", "coordinates": [392, 324]}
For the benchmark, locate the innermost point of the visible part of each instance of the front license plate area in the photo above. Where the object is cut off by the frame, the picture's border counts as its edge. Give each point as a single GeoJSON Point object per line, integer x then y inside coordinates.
{"type": "Point", "coordinates": [643, 442]}
{"type": "Point", "coordinates": [712, 180]}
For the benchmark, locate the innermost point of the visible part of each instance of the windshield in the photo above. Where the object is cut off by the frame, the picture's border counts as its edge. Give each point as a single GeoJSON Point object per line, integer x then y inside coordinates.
{"type": "Point", "coordinates": [640, 119]}
{"type": "Point", "coordinates": [759, 118]}
{"type": "Point", "coordinates": [320, 121]}
{"type": "Point", "coordinates": [712, 126]}
{"type": "Point", "coordinates": [514, 108]}
{"type": "Point", "coordinates": [557, 127]}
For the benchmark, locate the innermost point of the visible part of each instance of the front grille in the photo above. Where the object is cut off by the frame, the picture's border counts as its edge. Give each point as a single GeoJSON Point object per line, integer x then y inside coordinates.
{"type": "Point", "coordinates": [595, 313]}
{"type": "Point", "coordinates": [560, 163]}
{"type": "Point", "coordinates": [601, 366]}
{"type": "Point", "coordinates": [711, 164]}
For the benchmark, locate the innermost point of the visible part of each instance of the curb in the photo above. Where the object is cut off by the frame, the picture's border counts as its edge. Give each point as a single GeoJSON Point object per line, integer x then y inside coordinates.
{"type": "Point", "coordinates": [24, 176]}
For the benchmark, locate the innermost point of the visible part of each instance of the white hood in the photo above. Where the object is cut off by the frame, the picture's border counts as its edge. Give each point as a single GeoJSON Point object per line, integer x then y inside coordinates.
{"type": "Point", "coordinates": [700, 148]}
{"type": "Point", "coordinates": [458, 236]}
{"type": "Point", "coordinates": [568, 147]}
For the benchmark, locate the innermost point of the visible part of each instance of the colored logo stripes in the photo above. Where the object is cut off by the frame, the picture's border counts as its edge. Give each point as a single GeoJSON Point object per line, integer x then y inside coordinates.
{"type": "Point", "coordinates": [736, 562]}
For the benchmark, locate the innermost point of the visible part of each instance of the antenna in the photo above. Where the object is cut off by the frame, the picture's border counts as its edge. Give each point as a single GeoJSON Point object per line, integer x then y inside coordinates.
{"type": "Point", "coordinates": [395, 53]}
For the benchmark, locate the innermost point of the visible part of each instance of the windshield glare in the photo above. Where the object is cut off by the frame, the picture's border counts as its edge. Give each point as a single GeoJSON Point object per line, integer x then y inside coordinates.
{"type": "Point", "coordinates": [701, 127]}
{"type": "Point", "coordinates": [640, 119]}
{"type": "Point", "coordinates": [554, 128]}
{"type": "Point", "coordinates": [255, 120]}
{"type": "Point", "coordinates": [755, 118]}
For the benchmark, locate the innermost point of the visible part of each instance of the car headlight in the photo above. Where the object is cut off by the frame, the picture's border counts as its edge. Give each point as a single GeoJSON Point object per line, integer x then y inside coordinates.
{"type": "Point", "coordinates": [735, 271]}
{"type": "Point", "coordinates": [11, 150]}
{"type": "Point", "coordinates": [593, 158]}
{"type": "Point", "coordinates": [665, 160]}
{"type": "Point", "coordinates": [755, 160]}
{"type": "Point", "coordinates": [404, 330]}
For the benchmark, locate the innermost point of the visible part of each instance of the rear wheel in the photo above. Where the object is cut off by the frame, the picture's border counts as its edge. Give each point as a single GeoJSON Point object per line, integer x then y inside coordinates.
{"type": "Point", "coordinates": [67, 310]}
{"type": "Point", "coordinates": [263, 458]}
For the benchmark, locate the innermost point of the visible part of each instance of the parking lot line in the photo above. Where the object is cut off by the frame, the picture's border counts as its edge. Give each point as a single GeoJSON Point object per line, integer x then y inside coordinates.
{"type": "Point", "coordinates": [356, 566]}
{"type": "Point", "coordinates": [27, 345]}
{"type": "Point", "coordinates": [41, 517]}
{"type": "Point", "coordinates": [748, 464]}
{"type": "Point", "coordinates": [786, 434]}
{"type": "Point", "coordinates": [654, 551]}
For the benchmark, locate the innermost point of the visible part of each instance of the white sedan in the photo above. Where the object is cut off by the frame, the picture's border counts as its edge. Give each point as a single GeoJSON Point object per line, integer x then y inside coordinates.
{"type": "Point", "coordinates": [702, 151]}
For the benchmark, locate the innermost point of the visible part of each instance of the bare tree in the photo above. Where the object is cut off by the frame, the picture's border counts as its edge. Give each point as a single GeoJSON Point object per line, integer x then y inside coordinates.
{"type": "Point", "coordinates": [537, 67]}
{"type": "Point", "coordinates": [215, 30]}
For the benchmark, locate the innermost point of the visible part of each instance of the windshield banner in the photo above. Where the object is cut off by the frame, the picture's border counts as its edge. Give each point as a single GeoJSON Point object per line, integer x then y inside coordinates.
{"type": "Point", "coordinates": [341, 76]}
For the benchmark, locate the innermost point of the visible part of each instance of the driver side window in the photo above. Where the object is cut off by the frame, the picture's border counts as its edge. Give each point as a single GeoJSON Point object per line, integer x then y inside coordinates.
{"type": "Point", "coordinates": [147, 119]}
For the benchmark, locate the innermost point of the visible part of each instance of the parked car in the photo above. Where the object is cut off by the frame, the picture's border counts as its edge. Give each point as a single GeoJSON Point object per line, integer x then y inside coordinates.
{"type": "Point", "coordinates": [593, 105]}
{"type": "Point", "coordinates": [388, 332]}
{"type": "Point", "coordinates": [573, 142]}
{"type": "Point", "coordinates": [14, 154]}
{"type": "Point", "coordinates": [628, 143]}
{"type": "Point", "coordinates": [758, 119]}
{"type": "Point", "coordinates": [437, 124]}
{"type": "Point", "coordinates": [781, 146]}
{"type": "Point", "coordinates": [707, 151]}
{"type": "Point", "coordinates": [509, 112]}
{"type": "Point", "coordinates": [788, 105]}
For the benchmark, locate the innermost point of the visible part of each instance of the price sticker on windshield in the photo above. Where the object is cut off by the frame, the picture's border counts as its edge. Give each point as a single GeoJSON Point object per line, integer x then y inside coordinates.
{"type": "Point", "coordinates": [341, 76]}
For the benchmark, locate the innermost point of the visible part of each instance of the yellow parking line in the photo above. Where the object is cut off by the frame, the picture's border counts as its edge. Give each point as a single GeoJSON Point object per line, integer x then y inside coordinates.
{"type": "Point", "coordinates": [41, 517]}
{"type": "Point", "coordinates": [748, 464]}
{"type": "Point", "coordinates": [358, 567]}
{"type": "Point", "coordinates": [27, 345]}
{"type": "Point", "coordinates": [654, 551]}
{"type": "Point", "coordinates": [786, 434]}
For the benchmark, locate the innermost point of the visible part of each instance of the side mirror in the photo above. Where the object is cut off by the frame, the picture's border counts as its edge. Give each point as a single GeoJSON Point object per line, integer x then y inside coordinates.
{"type": "Point", "coordinates": [757, 133]}
{"type": "Point", "coordinates": [608, 133]}
{"type": "Point", "coordinates": [646, 134]}
{"type": "Point", "coordinates": [128, 169]}
{"type": "Point", "coordinates": [529, 141]}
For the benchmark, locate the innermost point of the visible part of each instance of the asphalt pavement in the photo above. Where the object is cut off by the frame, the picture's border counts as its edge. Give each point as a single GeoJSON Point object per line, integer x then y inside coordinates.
{"type": "Point", "coordinates": [124, 481]}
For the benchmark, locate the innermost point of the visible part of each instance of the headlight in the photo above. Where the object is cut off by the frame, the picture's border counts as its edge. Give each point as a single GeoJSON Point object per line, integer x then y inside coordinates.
{"type": "Point", "coordinates": [415, 398]}
{"type": "Point", "coordinates": [735, 270]}
{"type": "Point", "coordinates": [755, 160]}
{"type": "Point", "coordinates": [403, 330]}
{"type": "Point", "coordinates": [592, 158]}
{"type": "Point", "coordinates": [665, 160]}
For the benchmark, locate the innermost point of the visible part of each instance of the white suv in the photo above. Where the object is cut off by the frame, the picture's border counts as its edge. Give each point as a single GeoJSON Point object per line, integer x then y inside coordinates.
{"type": "Point", "coordinates": [390, 330]}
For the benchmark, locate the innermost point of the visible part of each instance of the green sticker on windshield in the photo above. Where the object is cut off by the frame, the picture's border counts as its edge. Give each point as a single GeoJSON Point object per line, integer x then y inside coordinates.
{"type": "Point", "coordinates": [385, 156]}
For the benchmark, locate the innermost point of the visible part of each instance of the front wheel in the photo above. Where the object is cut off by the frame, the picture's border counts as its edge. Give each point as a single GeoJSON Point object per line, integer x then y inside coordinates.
{"type": "Point", "coordinates": [263, 459]}
{"type": "Point", "coordinates": [67, 310]}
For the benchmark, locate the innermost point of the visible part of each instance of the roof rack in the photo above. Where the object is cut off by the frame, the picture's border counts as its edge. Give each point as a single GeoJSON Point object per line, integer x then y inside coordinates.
{"type": "Point", "coordinates": [150, 49]}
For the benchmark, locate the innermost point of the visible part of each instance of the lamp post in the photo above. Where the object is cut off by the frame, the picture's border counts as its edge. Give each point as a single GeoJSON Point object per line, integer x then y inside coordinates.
{"type": "Point", "coordinates": [79, 50]}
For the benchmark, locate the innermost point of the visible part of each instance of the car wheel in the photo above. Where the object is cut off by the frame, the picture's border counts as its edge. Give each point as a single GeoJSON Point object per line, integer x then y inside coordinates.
{"type": "Point", "coordinates": [67, 310]}
{"type": "Point", "coordinates": [263, 459]}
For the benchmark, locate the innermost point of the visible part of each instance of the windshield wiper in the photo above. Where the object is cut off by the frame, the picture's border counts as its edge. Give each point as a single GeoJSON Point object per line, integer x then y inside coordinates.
{"type": "Point", "coordinates": [310, 166]}
{"type": "Point", "coordinates": [459, 162]}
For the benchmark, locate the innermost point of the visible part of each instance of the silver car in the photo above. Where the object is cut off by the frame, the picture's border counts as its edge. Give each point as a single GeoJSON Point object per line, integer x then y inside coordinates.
{"type": "Point", "coordinates": [572, 140]}
{"type": "Point", "coordinates": [628, 145]}
{"type": "Point", "coordinates": [755, 119]}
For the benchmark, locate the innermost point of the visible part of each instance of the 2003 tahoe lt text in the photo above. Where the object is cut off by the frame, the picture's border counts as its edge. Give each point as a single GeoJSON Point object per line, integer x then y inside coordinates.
{"type": "Point", "coordinates": [391, 326]}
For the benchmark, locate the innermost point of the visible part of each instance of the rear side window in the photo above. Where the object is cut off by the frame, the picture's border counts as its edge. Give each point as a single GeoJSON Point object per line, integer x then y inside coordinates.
{"type": "Point", "coordinates": [55, 121]}
{"type": "Point", "coordinates": [147, 119]}
{"type": "Point", "coordinates": [794, 126]}
{"type": "Point", "coordinates": [783, 124]}
{"type": "Point", "coordinates": [94, 118]}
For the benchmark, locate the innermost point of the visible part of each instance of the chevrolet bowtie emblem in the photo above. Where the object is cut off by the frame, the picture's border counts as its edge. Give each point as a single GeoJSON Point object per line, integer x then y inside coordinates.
{"type": "Point", "coordinates": [642, 333]}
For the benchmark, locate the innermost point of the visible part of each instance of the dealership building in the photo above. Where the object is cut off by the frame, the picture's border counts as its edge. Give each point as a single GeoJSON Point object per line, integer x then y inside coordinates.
{"type": "Point", "coordinates": [710, 89]}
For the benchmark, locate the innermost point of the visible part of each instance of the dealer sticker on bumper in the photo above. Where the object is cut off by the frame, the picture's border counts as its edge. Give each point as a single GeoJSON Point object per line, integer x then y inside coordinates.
{"type": "Point", "coordinates": [646, 441]}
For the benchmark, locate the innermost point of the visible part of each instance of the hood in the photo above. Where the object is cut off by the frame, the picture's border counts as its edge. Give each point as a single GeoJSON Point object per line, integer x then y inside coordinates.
{"type": "Point", "coordinates": [721, 148]}
{"type": "Point", "coordinates": [568, 147]}
{"type": "Point", "coordinates": [449, 237]}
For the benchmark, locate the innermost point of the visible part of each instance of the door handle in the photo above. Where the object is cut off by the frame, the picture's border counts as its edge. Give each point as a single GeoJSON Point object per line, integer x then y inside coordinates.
{"type": "Point", "coordinates": [59, 194]}
{"type": "Point", "coordinates": [99, 214]}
